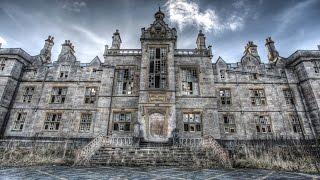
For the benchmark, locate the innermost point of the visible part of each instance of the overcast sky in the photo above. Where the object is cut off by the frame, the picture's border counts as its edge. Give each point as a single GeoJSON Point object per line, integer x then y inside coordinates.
{"type": "Point", "coordinates": [228, 24]}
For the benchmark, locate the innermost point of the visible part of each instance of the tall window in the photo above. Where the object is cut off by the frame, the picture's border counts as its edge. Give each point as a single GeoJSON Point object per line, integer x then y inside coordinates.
{"type": "Point", "coordinates": [2, 64]}
{"type": "Point", "coordinates": [121, 121]}
{"type": "Point", "coordinates": [58, 95]}
{"type": "Point", "coordinates": [288, 96]}
{"type": "Point", "coordinates": [64, 71]}
{"type": "Point", "coordinates": [316, 66]}
{"type": "Point", "coordinates": [90, 95]}
{"type": "Point", "coordinates": [52, 122]}
{"type": "Point", "coordinates": [296, 126]}
{"type": "Point", "coordinates": [158, 68]}
{"type": "Point", "coordinates": [263, 123]}
{"type": "Point", "coordinates": [27, 95]}
{"type": "Point", "coordinates": [189, 81]}
{"type": "Point", "coordinates": [225, 96]}
{"type": "Point", "coordinates": [124, 81]}
{"type": "Point", "coordinates": [85, 122]}
{"type": "Point", "coordinates": [258, 97]}
{"type": "Point", "coordinates": [19, 121]}
{"type": "Point", "coordinates": [229, 123]}
{"type": "Point", "coordinates": [192, 122]}
{"type": "Point", "coordinates": [93, 73]}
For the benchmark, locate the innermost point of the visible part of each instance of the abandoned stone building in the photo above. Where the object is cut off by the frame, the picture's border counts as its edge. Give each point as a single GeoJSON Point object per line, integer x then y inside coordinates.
{"type": "Point", "coordinates": [158, 91]}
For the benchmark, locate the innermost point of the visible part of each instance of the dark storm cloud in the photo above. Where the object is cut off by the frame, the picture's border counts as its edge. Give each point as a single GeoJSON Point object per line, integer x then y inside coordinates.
{"type": "Point", "coordinates": [228, 24]}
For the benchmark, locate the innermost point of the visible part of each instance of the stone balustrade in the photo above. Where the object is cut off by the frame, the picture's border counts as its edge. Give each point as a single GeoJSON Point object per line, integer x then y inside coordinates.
{"type": "Point", "coordinates": [121, 141]}
{"type": "Point", "coordinates": [192, 52]}
{"type": "Point", "coordinates": [190, 142]}
{"type": "Point", "coordinates": [123, 52]}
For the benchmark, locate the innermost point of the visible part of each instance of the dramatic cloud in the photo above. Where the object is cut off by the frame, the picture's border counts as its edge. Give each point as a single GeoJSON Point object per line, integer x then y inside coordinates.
{"type": "Point", "coordinates": [89, 35]}
{"type": "Point", "coordinates": [184, 13]}
{"type": "Point", "coordinates": [3, 41]}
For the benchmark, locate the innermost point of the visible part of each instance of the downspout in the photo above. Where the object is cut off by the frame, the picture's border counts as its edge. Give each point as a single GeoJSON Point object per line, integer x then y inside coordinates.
{"type": "Point", "coordinates": [111, 95]}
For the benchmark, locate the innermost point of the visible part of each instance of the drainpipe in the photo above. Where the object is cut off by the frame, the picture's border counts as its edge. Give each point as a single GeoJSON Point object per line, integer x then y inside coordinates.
{"type": "Point", "coordinates": [111, 95]}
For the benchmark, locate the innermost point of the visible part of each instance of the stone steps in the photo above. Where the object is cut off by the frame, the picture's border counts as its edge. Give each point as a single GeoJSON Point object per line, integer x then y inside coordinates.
{"type": "Point", "coordinates": [143, 156]}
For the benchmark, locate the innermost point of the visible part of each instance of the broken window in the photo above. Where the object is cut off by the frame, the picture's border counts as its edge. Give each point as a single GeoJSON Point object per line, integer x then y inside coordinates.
{"type": "Point", "coordinates": [58, 95]}
{"type": "Point", "coordinates": [225, 96]}
{"type": "Point", "coordinates": [189, 81]}
{"type": "Point", "coordinates": [158, 68]}
{"type": "Point", "coordinates": [85, 122]}
{"type": "Point", "coordinates": [121, 121]}
{"type": "Point", "coordinates": [27, 95]}
{"type": "Point", "coordinates": [64, 71]}
{"type": "Point", "coordinates": [316, 66]}
{"type": "Point", "coordinates": [90, 95]}
{"type": "Point", "coordinates": [19, 121]}
{"type": "Point", "coordinates": [258, 97]}
{"type": "Point", "coordinates": [229, 123]}
{"type": "Point", "coordinates": [192, 122]}
{"type": "Point", "coordinates": [283, 73]}
{"type": "Point", "coordinates": [222, 74]}
{"type": "Point", "coordinates": [253, 76]}
{"type": "Point", "coordinates": [288, 96]}
{"type": "Point", "coordinates": [2, 64]}
{"type": "Point", "coordinates": [124, 83]}
{"type": "Point", "coordinates": [52, 122]}
{"type": "Point", "coordinates": [263, 123]}
{"type": "Point", "coordinates": [296, 125]}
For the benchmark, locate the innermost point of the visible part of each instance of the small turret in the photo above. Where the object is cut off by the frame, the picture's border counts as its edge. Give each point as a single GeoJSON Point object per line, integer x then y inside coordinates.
{"type": "Point", "coordinates": [201, 41]}
{"type": "Point", "coordinates": [45, 52]}
{"type": "Point", "coordinates": [272, 52]}
{"type": "Point", "coordinates": [159, 15]}
{"type": "Point", "coordinates": [116, 40]}
{"type": "Point", "coordinates": [251, 48]}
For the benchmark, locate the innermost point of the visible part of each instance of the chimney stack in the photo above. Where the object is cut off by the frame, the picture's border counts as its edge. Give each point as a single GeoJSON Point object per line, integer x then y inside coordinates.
{"type": "Point", "coordinates": [272, 52]}
{"type": "Point", "coordinates": [201, 41]}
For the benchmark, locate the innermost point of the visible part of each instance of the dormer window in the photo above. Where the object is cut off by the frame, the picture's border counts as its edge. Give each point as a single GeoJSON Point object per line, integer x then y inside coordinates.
{"type": "Point", "coordinates": [64, 71]}
{"type": "Point", "coordinates": [222, 74]}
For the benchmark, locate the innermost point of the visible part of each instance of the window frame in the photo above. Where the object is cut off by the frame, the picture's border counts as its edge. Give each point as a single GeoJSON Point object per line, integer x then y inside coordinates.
{"type": "Point", "coordinates": [229, 123]}
{"type": "Point", "coordinates": [263, 122]}
{"type": "Point", "coordinates": [122, 121]}
{"type": "Point", "coordinates": [189, 81]}
{"type": "Point", "coordinates": [158, 70]}
{"type": "Point", "coordinates": [224, 99]}
{"type": "Point", "coordinates": [124, 81]}
{"type": "Point", "coordinates": [86, 121]}
{"type": "Point", "coordinates": [192, 122]}
{"type": "Point", "coordinates": [91, 98]}
{"type": "Point", "coordinates": [19, 121]}
{"type": "Point", "coordinates": [52, 119]}
{"type": "Point", "coordinates": [60, 96]}
{"type": "Point", "coordinates": [288, 96]}
{"type": "Point", "coordinates": [256, 96]}
{"type": "Point", "coordinates": [27, 95]}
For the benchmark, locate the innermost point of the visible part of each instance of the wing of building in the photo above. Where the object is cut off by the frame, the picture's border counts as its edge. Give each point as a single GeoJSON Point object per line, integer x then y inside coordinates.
{"type": "Point", "coordinates": [158, 92]}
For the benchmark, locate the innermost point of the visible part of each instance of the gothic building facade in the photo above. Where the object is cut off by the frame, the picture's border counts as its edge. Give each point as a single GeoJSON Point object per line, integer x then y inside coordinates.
{"type": "Point", "coordinates": [159, 91]}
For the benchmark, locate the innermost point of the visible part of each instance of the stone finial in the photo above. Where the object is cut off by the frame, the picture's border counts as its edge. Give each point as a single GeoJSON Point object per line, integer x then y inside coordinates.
{"type": "Point", "coordinates": [159, 15]}
{"type": "Point", "coordinates": [116, 40]}
{"type": "Point", "coordinates": [272, 52]}
{"type": "Point", "coordinates": [201, 41]}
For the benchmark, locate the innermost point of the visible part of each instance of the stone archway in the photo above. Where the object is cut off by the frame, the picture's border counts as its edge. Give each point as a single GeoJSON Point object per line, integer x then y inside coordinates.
{"type": "Point", "coordinates": [157, 127]}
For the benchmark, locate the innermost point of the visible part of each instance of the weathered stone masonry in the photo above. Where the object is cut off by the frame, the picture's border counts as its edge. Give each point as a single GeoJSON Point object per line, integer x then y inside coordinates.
{"type": "Point", "coordinates": [158, 89]}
